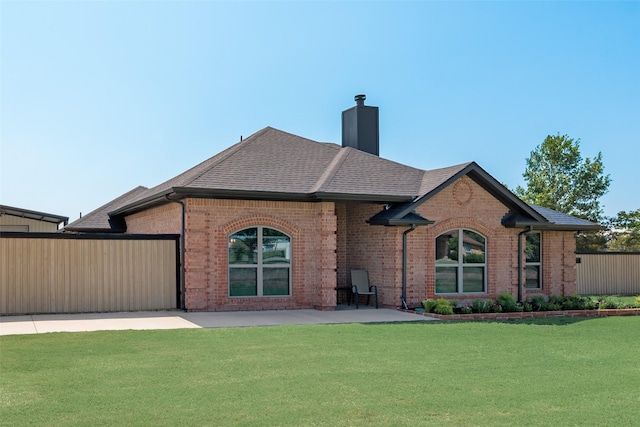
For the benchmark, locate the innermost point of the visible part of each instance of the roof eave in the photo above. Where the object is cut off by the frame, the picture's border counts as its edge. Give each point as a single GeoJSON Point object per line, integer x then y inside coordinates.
{"type": "Point", "coordinates": [534, 225]}
{"type": "Point", "coordinates": [139, 205]}
{"type": "Point", "coordinates": [93, 230]}
{"type": "Point", "coordinates": [400, 222]}
{"type": "Point", "coordinates": [368, 198]}
{"type": "Point", "coordinates": [35, 215]}
{"type": "Point", "coordinates": [183, 192]}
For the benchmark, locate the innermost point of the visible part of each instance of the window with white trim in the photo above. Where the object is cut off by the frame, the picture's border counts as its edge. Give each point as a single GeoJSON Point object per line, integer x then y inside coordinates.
{"type": "Point", "coordinates": [259, 263]}
{"type": "Point", "coordinates": [533, 253]}
{"type": "Point", "coordinates": [461, 262]}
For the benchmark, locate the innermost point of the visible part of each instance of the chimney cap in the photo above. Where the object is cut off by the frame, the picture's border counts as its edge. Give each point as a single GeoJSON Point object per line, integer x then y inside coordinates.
{"type": "Point", "coordinates": [360, 99]}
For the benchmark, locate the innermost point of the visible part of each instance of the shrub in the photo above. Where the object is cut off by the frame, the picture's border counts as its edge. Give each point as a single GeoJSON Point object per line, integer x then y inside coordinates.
{"type": "Point", "coordinates": [550, 306]}
{"type": "Point", "coordinates": [537, 302]}
{"type": "Point", "coordinates": [590, 304]}
{"type": "Point", "coordinates": [610, 303]}
{"type": "Point", "coordinates": [429, 305]}
{"type": "Point", "coordinates": [555, 300]}
{"type": "Point", "coordinates": [466, 310]}
{"type": "Point", "coordinates": [481, 306]}
{"type": "Point", "coordinates": [577, 303]}
{"type": "Point", "coordinates": [443, 306]}
{"type": "Point", "coordinates": [507, 302]}
{"type": "Point", "coordinates": [526, 306]}
{"type": "Point", "coordinates": [496, 308]}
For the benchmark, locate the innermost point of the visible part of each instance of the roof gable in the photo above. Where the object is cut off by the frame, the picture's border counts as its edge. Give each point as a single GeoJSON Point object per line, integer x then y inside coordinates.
{"type": "Point", "coordinates": [436, 180]}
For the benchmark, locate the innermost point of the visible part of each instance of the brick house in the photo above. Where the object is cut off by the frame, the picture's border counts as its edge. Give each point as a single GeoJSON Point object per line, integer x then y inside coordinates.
{"type": "Point", "coordinates": [259, 233]}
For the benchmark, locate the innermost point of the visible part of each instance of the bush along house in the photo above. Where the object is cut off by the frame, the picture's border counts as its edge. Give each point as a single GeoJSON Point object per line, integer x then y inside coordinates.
{"type": "Point", "coordinates": [277, 221]}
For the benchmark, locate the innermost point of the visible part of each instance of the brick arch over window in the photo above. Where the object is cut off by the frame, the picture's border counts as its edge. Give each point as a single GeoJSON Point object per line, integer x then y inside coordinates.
{"type": "Point", "coordinates": [468, 223]}
{"type": "Point", "coordinates": [263, 220]}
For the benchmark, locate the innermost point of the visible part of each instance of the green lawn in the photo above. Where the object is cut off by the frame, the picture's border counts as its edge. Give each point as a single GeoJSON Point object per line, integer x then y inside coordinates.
{"type": "Point", "coordinates": [582, 373]}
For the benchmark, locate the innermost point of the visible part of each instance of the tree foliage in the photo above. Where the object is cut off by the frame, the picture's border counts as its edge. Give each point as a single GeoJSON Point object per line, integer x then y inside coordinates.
{"type": "Point", "coordinates": [558, 178]}
{"type": "Point", "coordinates": [624, 231]}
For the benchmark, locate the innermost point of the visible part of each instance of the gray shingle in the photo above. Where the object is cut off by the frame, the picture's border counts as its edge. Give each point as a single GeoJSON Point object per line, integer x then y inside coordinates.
{"type": "Point", "coordinates": [98, 219]}
{"type": "Point", "coordinates": [272, 162]}
{"type": "Point", "coordinates": [562, 219]}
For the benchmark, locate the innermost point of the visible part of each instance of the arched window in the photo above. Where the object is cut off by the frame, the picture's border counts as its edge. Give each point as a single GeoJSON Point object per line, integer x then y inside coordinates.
{"type": "Point", "coordinates": [461, 262]}
{"type": "Point", "coordinates": [259, 263]}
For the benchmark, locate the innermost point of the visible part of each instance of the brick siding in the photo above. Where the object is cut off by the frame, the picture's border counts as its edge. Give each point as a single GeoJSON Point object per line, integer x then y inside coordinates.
{"type": "Point", "coordinates": [210, 222]}
{"type": "Point", "coordinates": [463, 204]}
{"type": "Point", "coordinates": [328, 240]}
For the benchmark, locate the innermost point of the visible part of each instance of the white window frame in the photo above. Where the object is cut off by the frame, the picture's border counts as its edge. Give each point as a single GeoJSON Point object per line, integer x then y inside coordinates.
{"type": "Point", "coordinates": [260, 266]}
{"type": "Point", "coordinates": [461, 265]}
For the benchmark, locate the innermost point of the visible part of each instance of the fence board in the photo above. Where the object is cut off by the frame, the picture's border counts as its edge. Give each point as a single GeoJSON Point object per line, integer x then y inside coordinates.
{"type": "Point", "coordinates": [608, 274]}
{"type": "Point", "coordinates": [79, 274]}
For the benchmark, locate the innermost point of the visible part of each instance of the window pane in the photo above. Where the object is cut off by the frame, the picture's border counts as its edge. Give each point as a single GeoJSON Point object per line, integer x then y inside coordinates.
{"type": "Point", "coordinates": [446, 280]}
{"type": "Point", "coordinates": [276, 247]}
{"type": "Point", "coordinates": [473, 247]}
{"type": "Point", "coordinates": [532, 276]}
{"type": "Point", "coordinates": [242, 247]}
{"type": "Point", "coordinates": [275, 281]}
{"type": "Point", "coordinates": [473, 279]}
{"type": "Point", "coordinates": [447, 248]}
{"type": "Point", "coordinates": [243, 282]}
{"type": "Point", "coordinates": [533, 247]}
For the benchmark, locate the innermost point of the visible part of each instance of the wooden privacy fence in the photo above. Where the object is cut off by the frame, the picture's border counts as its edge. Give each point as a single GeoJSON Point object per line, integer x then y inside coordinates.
{"type": "Point", "coordinates": [608, 273]}
{"type": "Point", "coordinates": [66, 273]}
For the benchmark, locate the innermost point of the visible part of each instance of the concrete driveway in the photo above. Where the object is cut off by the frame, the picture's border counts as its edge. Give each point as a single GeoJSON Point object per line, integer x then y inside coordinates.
{"type": "Point", "coordinates": [43, 323]}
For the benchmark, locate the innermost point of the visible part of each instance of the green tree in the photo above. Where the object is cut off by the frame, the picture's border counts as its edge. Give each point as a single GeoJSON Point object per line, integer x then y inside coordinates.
{"type": "Point", "coordinates": [558, 178]}
{"type": "Point", "coordinates": [624, 231]}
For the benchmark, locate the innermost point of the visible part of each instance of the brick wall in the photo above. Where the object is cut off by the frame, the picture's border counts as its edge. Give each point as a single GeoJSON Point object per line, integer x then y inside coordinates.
{"type": "Point", "coordinates": [165, 219]}
{"type": "Point", "coordinates": [558, 264]}
{"type": "Point", "coordinates": [376, 249]}
{"type": "Point", "coordinates": [464, 204]}
{"type": "Point", "coordinates": [328, 240]}
{"type": "Point", "coordinates": [210, 222]}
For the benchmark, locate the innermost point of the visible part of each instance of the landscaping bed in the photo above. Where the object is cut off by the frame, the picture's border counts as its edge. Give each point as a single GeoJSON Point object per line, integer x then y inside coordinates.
{"type": "Point", "coordinates": [505, 307]}
{"type": "Point", "coordinates": [532, 314]}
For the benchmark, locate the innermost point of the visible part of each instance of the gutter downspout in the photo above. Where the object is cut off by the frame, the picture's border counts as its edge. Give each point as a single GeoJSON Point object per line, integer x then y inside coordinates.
{"type": "Point", "coordinates": [526, 230]}
{"type": "Point", "coordinates": [182, 251]}
{"type": "Point", "coordinates": [403, 298]}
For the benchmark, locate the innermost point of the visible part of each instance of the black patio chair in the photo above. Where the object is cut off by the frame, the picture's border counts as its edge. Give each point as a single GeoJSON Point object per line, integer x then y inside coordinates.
{"type": "Point", "coordinates": [360, 286]}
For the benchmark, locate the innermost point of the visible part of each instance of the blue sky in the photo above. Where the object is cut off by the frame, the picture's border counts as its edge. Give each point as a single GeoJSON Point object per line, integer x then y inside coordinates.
{"type": "Point", "coordinates": [97, 98]}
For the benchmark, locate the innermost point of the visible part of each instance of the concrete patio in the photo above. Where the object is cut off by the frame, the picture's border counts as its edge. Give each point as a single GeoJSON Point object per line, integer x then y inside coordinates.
{"type": "Point", "coordinates": [44, 323]}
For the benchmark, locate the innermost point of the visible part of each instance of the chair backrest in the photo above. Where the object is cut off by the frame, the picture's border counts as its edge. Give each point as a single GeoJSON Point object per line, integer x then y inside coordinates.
{"type": "Point", "coordinates": [360, 279]}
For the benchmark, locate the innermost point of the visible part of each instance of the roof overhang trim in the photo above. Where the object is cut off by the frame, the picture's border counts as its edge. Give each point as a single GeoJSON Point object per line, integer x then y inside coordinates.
{"type": "Point", "coordinates": [536, 225]}
{"type": "Point", "coordinates": [177, 193]}
{"type": "Point", "coordinates": [35, 215]}
{"type": "Point", "coordinates": [400, 222]}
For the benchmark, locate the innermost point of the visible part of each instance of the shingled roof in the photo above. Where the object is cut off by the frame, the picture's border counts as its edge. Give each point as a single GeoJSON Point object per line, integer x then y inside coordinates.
{"type": "Point", "coordinates": [276, 165]}
{"type": "Point", "coordinates": [98, 220]}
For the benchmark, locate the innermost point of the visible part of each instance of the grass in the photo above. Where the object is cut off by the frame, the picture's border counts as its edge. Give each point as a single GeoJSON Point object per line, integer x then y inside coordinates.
{"type": "Point", "coordinates": [583, 372]}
